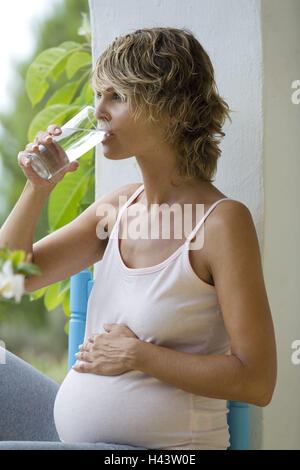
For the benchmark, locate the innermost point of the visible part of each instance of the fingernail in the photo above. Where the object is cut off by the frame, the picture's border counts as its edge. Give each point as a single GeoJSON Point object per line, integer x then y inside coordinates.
{"type": "Point", "coordinates": [49, 139]}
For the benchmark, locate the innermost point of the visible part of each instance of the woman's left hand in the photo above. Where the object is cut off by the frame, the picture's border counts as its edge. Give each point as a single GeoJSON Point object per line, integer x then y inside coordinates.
{"type": "Point", "coordinates": [111, 353]}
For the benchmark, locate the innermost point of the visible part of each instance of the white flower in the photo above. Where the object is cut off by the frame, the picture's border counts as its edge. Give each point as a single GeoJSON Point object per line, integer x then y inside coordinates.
{"type": "Point", "coordinates": [85, 29]}
{"type": "Point", "coordinates": [11, 285]}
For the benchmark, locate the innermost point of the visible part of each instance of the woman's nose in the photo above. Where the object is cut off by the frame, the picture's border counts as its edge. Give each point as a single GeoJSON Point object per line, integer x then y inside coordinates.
{"type": "Point", "coordinates": [101, 111]}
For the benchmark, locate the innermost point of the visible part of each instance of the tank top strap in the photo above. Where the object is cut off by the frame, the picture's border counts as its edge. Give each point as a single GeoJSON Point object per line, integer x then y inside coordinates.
{"type": "Point", "coordinates": [129, 201]}
{"type": "Point", "coordinates": [196, 228]}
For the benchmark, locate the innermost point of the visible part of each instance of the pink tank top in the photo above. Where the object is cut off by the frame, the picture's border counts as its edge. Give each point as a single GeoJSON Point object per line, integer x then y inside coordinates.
{"type": "Point", "coordinates": [167, 305]}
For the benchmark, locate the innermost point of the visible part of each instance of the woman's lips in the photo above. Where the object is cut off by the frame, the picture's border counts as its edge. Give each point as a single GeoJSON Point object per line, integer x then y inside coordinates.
{"type": "Point", "coordinates": [107, 136]}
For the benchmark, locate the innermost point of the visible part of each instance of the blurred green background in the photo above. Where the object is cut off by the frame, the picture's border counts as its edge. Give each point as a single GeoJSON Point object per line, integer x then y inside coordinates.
{"type": "Point", "coordinates": [28, 329]}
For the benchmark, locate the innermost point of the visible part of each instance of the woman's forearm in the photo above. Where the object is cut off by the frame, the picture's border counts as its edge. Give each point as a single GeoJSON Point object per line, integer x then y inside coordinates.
{"type": "Point", "coordinates": [17, 232]}
{"type": "Point", "coordinates": [214, 376]}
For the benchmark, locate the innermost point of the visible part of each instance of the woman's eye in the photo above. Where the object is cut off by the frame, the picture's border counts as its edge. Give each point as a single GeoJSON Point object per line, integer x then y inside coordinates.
{"type": "Point", "coordinates": [115, 95]}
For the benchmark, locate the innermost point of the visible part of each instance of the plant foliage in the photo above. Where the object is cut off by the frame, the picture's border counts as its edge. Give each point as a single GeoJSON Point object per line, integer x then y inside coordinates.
{"type": "Point", "coordinates": [60, 76]}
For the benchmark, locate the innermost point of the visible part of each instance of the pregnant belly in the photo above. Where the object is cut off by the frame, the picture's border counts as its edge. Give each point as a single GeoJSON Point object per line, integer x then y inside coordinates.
{"type": "Point", "coordinates": [132, 408]}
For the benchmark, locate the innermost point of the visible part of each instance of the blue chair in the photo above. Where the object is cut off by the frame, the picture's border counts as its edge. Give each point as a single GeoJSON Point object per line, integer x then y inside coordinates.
{"type": "Point", "coordinates": [81, 286]}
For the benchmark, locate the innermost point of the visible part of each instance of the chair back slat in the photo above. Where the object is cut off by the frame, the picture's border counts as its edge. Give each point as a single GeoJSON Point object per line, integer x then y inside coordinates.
{"type": "Point", "coordinates": [79, 295]}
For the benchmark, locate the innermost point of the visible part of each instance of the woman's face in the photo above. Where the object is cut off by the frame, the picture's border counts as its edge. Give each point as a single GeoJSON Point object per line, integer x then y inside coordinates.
{"type": "Point", "coordinates": [130, 138]}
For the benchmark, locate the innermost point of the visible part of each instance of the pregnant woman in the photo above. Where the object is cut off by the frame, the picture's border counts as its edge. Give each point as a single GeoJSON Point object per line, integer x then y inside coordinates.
{"type": "Point", "coordinates": [176, 324]}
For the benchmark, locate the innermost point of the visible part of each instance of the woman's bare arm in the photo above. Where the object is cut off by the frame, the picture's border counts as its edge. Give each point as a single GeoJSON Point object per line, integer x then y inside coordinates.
{"type": "Point", "coordinates": [75, 246]}
{"type": "Point", "coordinates": [17, 232]}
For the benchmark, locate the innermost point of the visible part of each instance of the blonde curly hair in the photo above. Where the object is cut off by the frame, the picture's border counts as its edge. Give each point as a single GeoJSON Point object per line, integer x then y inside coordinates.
{"type": "Point", "coordinates": [165, 75]}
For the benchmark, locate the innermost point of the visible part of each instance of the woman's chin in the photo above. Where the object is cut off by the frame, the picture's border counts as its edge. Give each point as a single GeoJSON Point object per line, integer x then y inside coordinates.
{"type": "Point", "coordinates": [110, 155]}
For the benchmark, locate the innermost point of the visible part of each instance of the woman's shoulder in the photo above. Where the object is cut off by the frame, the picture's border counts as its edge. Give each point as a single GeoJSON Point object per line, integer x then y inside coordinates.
{"type": "Point", "coordinates": [222, 202]}
{"type": "Point", "coordinates": [112, 202]}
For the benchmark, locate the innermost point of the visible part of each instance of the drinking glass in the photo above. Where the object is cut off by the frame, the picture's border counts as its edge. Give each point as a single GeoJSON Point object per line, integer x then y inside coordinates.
{"type": "Point", "coordinates": [79, 135]}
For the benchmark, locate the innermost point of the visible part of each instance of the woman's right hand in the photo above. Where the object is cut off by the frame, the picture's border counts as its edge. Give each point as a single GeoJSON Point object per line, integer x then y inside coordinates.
{"type": "Point", "coordinates": [46, 139]}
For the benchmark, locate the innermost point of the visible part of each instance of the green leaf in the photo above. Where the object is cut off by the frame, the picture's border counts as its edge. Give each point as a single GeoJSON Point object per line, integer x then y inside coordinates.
{"type": "Point", "coordinates": [65, 197]}
{"type": "Point", "coordinates": [64, 286]}
{"type": "Point", "coordinates": [40, 69]}
{"type": "Point", "coordinates": [17, 257]}
{"type": "Point", "coordinates": [76, 61]}
{"type": "Point", "coordinates": [77, 101]}
{"type": "Point", "coordinates": [56, 114]}
{"type": "Point", "coordinates": [91, 268]}
{"type": "Point", "coordinates": [66, 328]}
{"type": "Point", "coordinates": [64, 95]}
{"type": "Point", "coordinates": [52, 298]}
{"type": "Point", "coordinates": [37, 294]}
{"type": "Point", "coordinates": [87, 94]}
{"type": "Point", "coordinates": [89, 196]}
{"type": "Point", "coordinates": [69, 47]}
{"type": "Point", "coordinates": [28, 269]}
{"type": "Point", "coordinates": [5, 253]}
{"type": "Point", "coordinates": [66, 304]}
